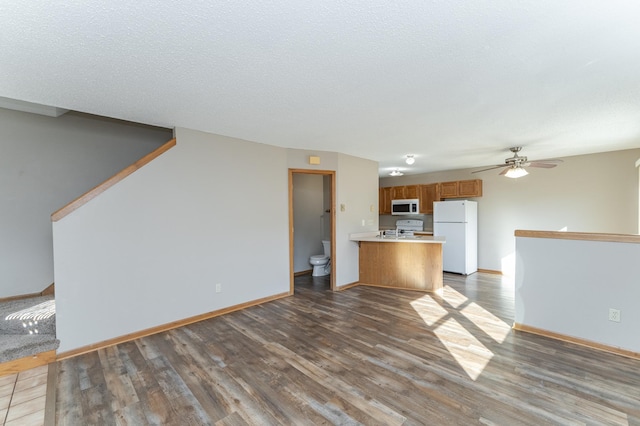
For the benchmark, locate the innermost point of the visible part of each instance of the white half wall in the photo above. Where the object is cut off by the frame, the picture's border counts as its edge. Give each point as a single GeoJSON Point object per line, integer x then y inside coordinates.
{"type": "Point", "coordinates": [46, 162]}
{"type": "Point", "coordinates": [586, 193]}
{"type": "Point", "coordinates": [568, 286]}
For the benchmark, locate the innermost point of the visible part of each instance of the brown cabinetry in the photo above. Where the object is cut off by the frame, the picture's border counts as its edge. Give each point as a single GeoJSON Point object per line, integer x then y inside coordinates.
{"type": "Point", "coordinates": [384, 200]}
{"type": "Point", "coordinates": [461, 189]}
{"type": "Point", "coordinates": [412, 191]}
{"type": "Point", "coordinates": [385, 196]}
{"type": "Point", "coordinates": [397, 193]}
{"type": "Point", "coordinates": [428, 194]}
{"type": "Point", "coordinates": [470, 188]}
{"type": "Point", "coordinates": [449, 189]}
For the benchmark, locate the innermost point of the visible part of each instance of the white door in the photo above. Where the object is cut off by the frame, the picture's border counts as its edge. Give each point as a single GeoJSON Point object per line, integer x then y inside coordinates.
{"type": "Point", "coordinates": [453, 250]}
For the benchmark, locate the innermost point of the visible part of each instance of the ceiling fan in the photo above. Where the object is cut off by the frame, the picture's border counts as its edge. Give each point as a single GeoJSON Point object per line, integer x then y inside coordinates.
{"type": "Point", "coordinates": [514, 167]}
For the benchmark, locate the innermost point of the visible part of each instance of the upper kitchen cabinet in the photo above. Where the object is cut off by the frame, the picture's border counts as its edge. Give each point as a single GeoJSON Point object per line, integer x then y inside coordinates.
{"type": "Point", "coordinates": [470, 188]}
{"type": "Point", "coordinates": [384, 200]}
{"type": "Point", "coordinates": [405, 192]}
{"type": "Point", "coordinates": [398, 192]}
{"type": "Point", "coordinates": [449, 189]}
{"type": "Point", "coordinates": [412, 191]}
{"type": "Point", "coordinates": [428, 194]}
{"type": "Point", "coordinates": [461, 189]}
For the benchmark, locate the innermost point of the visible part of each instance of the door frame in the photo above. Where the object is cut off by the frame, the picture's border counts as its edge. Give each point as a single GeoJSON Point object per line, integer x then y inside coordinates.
{"type": "Point", "coordinates": [331, 173]}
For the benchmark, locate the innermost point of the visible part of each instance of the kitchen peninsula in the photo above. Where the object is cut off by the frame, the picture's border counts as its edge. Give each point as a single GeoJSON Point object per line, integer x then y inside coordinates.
{"type": "Point", "coordinates": [411, 263]}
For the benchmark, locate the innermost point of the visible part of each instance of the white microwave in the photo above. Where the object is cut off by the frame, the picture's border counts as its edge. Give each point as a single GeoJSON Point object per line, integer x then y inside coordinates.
{"type": "Point", "coordinates": [411, 206]}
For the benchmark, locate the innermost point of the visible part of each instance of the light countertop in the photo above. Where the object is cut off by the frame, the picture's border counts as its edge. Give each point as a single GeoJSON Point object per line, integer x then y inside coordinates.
{"type": "Point", "coordinates": [375, 237]}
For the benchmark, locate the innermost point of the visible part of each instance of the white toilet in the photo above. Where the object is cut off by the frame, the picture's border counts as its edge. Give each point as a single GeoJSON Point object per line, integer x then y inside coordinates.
{"type": "Point", "coordinates": [320, 262]}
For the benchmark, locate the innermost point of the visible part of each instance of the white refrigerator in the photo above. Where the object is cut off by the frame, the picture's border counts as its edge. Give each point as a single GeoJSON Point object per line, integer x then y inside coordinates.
{"type": "Point", "coordinates": [457, 221]}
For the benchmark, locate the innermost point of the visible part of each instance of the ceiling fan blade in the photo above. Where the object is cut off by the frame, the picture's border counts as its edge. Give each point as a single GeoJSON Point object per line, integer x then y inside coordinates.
{"type": "Point", "coordinates": [504, 172]}
{"type": "Point", "coordinates": [487, 169]}
{"type": "Point", "coordinates": [549, 160]}
{"type": "Point", "coordinates": [541, 165]}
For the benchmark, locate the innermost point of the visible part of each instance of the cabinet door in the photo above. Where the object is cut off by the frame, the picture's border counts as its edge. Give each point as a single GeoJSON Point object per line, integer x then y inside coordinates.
{"type": "Point", "coordinates": [384, 201]}
{"type": "Point", "coordinates": [412, 191]}
{"type": "Point", "coordinates": [449, 189]}
{"type": "Point", "coordinates": [429, 194]}
{"type": "Point", "coordinates": [397, 193]}
{"type": "Point", "coordinates": [470, 188]}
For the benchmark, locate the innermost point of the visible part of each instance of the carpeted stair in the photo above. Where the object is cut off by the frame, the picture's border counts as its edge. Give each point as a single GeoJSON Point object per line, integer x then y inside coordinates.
{"type": "Point", "coordinates": [27, 327]}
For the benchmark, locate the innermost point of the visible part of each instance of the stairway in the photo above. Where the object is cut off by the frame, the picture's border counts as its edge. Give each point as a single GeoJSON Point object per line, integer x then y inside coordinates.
{"type": "Point", "coordinates": [27, 327]}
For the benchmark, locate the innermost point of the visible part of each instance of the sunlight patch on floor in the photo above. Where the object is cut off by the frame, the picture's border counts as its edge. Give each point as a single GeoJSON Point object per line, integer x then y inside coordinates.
{"type": "Point", "coordinates": [429, 310]}
{"type": "Point", "coordinates": [465, 348]}
{"type": "Point", "coordinates": [453, 297]}
{"type": "Point", "coordinates": [468, 351]}
{"type": "Point", "coordinates": [493, 326]}
{"type": "Point", "coordinates": [40, 311]}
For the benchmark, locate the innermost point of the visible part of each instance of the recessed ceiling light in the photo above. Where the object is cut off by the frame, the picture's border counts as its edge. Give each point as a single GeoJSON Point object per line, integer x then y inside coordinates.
{"type": "Point", "coordinates": [396, 172]}
{"type": "Point", "coordinates": [410, 160]}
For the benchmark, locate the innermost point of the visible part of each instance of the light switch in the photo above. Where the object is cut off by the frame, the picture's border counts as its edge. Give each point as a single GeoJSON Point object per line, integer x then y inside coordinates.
{"type": "Point", "coordinates": [342, 207]}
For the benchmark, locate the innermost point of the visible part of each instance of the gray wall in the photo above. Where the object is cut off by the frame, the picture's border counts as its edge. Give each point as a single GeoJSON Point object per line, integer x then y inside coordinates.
{"type": "Point", "coordinates": [356, 204]}
{"type": "Point", "coordinates": [308, 217]}
{"type": "Point", "coordinates": [151, 249]}
{"type": "Point", "coordinates": [45, 163]}
{"type": "Point", "coordinates": [586, 193]}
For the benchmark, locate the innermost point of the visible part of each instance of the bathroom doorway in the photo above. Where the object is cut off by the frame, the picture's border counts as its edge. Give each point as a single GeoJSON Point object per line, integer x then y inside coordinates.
{"type": "Point", "coordinates": [314, 219]}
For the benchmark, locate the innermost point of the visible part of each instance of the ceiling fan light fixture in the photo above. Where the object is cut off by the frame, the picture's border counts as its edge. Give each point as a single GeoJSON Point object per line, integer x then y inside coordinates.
{"type": "Point", "coordinates": [410, 160]}
{"type": "Point", "coordinates": [396, 172]}
{"type": "Point", "coordinates": [516, 172]}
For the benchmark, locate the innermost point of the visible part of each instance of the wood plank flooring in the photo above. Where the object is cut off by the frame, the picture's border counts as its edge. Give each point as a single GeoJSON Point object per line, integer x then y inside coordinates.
{"type": "Point", "coordinates": [362, 356]}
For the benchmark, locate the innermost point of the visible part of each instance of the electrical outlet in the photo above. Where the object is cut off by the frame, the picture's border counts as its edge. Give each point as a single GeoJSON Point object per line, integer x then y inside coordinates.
{"type": "Point", "coordinates": [218, 288]}
{"type": "Point", "coordinates": [614, 315]}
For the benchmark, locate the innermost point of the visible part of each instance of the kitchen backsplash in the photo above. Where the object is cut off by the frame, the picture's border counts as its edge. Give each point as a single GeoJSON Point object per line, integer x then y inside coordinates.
{"type": "Point", "coordinates": [388, 221]}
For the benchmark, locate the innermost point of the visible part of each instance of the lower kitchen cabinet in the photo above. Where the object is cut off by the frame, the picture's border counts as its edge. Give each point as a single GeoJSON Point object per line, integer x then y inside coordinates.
{"type": "Point", "coordinates": [403, 265]}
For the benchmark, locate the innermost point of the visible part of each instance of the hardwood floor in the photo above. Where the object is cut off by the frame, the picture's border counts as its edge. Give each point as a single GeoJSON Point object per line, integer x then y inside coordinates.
{"type": "Point", "coordinates": [362, 356]}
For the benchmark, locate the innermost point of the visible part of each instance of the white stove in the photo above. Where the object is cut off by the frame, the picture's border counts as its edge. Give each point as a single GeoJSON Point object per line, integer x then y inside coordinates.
{"type": "Point", "coordinates": [405, 227]}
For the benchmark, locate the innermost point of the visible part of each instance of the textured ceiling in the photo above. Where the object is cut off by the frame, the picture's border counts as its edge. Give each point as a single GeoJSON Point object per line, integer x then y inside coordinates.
{"type": "Point", "coordinates": [453, 82]}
